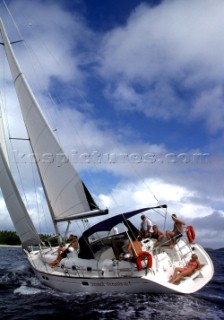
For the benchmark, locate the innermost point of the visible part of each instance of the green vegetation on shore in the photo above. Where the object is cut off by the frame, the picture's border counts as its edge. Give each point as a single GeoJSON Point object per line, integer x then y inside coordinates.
{"type": "Point", "coordinates": [11, 238]}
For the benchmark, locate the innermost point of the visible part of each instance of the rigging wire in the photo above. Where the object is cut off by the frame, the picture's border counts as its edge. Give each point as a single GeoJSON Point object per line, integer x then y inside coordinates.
{"type": "Point", "coordinates": [13, 20]}
{"type": "Point", "coordinates": [39, 197]}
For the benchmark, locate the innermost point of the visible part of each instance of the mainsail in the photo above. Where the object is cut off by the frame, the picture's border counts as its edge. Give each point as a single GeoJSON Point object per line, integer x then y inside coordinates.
{"type": "Point", "coordinates": [66, 193]}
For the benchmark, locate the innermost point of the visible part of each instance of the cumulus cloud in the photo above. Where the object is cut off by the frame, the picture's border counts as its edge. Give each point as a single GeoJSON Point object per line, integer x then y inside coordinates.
{"type": "Point", "coordinates": [209, 229]}
{"type": "Point", "coordinates": [52, 41]}
{"type": "Point", "coordinates": [152, 192]}
{"type": "Point", "coordinates": [5, 221]}
{"type": "Point", "coordinates": [209, 106]}
{"type": "Point", "coordinates": [164, 53]}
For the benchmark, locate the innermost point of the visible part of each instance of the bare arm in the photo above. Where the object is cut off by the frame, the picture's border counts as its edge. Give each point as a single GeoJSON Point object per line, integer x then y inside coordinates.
{"type": "Point", "coordinates": [178, 220]}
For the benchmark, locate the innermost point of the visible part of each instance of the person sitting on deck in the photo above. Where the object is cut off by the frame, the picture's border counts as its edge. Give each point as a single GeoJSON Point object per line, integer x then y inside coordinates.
{"type": "Point", "coordinates": [145, 228]}
{"type": "Point", "coordinates": [62, 252]}
{"type": "Point", "coordinates": [177, 232]}
{"type": "Point", "coordinates": [191, 266]}
{"type": "Point", "coordinates": [157, 234]}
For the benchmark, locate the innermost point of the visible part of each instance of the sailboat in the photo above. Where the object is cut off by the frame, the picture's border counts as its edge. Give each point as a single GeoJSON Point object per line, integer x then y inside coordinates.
{"type": "Point", "coordinates": [98, 265]}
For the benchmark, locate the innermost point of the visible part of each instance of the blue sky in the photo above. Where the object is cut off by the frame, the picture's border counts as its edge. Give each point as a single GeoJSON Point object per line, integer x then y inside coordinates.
{"type": "Point", "coordinates": [140, 81]}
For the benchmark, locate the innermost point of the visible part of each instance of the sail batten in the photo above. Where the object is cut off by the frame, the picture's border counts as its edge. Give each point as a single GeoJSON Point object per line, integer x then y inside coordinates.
{"type": "Point", "coordinates": [65, 191]}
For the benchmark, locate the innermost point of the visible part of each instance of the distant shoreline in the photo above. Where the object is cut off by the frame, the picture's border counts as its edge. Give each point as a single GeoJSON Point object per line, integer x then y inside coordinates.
{"type": "Point", "coordinates": [11, 245]}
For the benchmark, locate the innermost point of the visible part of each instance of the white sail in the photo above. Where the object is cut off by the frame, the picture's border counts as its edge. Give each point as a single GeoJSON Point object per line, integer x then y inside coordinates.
{"type": "Point", "coordinates": [65, 191]}
{"type": "Point", "coordinates": [16, 208]}
{"type": "Point", "coordinates": [2, 138]}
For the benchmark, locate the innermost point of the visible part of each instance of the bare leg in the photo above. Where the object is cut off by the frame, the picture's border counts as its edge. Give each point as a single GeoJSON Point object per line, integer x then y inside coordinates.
{"type": "Point", "coordinates": [176, 272]}
{"type": "Point", "coordinates": [177, 279]}
{"type": "Point", "coordinates": [170, 236]}
{"type": "Point", "coordinates": [58, 259]}
{"type": "Point", "coordinates": [180, 276]}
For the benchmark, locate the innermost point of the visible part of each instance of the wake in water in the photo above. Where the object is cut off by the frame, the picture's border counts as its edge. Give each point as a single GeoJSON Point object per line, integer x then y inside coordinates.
{"type": "Point", "coordinates": [35, 301]}
{"type": "Point", "coordinates": [22, 296]}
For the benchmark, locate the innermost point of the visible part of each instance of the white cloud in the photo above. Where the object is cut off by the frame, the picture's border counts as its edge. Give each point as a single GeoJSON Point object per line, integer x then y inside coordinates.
{"type": "Point", "coordinates": [152, 192]}
{"type": "Point", "coordinates": [166, 39]}
{"type": "Point", "coordinates": [175, 44]}
{"type": "Point", "coordinates": [210, 107]}
{"type": "Point", "coordinates": [5, 221]}
{"type": "Point", "coordinates": [53, 37]}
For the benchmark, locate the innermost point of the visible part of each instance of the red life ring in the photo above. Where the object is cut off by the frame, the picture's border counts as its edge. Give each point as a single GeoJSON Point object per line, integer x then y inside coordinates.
{"type": "Point", "coordinates": [141, 256]}
{"type": "Point", "coordinates": [190, 234]}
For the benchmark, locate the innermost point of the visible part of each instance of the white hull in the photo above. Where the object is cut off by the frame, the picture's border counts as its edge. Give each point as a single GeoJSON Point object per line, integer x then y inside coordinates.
{"type": "Point", "coordinates": [107, 276]}
{"type": "Point", "coordinates": [101, 285]}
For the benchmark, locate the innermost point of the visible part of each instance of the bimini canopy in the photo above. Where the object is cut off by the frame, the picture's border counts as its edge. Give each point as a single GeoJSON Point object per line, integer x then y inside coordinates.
{"type": "Point", "coordinates": [106, 225]}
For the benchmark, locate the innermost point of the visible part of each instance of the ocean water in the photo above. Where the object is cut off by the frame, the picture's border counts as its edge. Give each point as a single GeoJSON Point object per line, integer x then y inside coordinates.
{"type": "Point", "coordinates": [22, 296]}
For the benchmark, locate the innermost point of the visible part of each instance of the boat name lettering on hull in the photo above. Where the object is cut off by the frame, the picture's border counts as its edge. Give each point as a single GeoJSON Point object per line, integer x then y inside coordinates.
{"type": "Point", "coordinates": [110, 284]}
